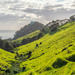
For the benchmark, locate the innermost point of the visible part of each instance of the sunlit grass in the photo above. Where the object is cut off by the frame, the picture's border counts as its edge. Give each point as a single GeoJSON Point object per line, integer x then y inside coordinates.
{"type": "Point", "coordinates": [19, 40]}
{"type": "Point", "coordinates": [54, 56]}
{"type": "Point", "coordinates": [51, 51]}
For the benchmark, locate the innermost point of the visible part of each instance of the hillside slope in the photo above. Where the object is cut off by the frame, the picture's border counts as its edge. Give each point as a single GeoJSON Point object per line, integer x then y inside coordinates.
{"type": "Point", "coordinates": [54, 55]}
{"type": "Point", "coordinates": [6, 61]}
{"type": "Point", "coordinates": [33, 26]}
{"type": "Point", "coordinates": [30, 35]}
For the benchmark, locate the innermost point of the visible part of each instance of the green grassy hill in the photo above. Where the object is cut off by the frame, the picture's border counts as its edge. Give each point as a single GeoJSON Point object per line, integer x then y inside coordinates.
{"type": "Point", "coordinates": [6, 60]}
{"type": "Point", "coordinates": [19, 40]}
{"type": "Point", "coordinates": [55, 56]}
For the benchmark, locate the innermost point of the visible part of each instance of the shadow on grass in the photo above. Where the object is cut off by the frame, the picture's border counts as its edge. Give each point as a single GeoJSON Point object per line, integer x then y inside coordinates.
{"type": "Point", "coordinates": [51, 33]}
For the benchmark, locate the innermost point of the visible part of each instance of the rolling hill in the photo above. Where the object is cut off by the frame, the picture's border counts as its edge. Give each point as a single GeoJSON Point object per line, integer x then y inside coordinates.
{"type": "Point", "coordinates": [30, 35]}
{"type": "Point", "coordinates": [52, 54]}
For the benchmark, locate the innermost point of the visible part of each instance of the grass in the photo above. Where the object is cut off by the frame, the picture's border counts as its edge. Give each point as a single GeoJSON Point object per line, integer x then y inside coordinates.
{"type": "Point", "coordinates": [6, 60]}
{"type": "Point", "coordinates": [19, 40]}
{"type": "Point", "coordinates": [55, 56]}
{"type": "Point", "coordinates": [48, 58]}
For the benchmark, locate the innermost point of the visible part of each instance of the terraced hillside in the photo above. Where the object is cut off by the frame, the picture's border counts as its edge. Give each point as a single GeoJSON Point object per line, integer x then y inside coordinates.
{"type": "Point", "coordinates": [53, 54]}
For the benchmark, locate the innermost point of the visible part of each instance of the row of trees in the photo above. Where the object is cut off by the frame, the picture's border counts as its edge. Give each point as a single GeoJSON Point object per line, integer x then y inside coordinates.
{"type": "Point", "coordinates": [72, 18]}
{"type": "Point", "coordinates": [28, 40]}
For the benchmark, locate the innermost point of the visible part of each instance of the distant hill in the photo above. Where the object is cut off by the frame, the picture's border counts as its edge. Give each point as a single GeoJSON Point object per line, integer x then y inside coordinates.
{"type": "Point", "coordinates": [33, 26]}
{"type": "Point", "coordinates": [30, 35]}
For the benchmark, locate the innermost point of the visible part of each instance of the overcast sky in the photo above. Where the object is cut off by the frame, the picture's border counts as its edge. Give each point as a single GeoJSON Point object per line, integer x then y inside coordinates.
{"type": "Point", "coordinates": [17, 13]}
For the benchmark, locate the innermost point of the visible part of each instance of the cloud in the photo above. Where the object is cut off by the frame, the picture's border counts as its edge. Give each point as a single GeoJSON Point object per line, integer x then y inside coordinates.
{"type": "Point", "coordinates": [60, 0]}
{"type": "Point", "coordinates": [17, 13]}
{"type": "Point", "coordinates": [50, 13]}
{"type": "Point", "coordinates": [73, 5]}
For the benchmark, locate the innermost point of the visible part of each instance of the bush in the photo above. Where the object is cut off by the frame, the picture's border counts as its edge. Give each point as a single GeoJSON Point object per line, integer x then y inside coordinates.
{"type": "Point", "coordinates": [25, 41]}
{"type": "Point", "coordinates": [40, 35]}
{"type": "Point", "coordinates": [47, 68]}
{"type": "Point", "coordinates": [7, 46]}
{"type": "Point", "coordinates": [59, 63]}
{"type": "Point", "coordinates": [71, 58]}
{"type": "Point", "coordinates": [8, 71]}
{"type": "Point", "coordinates": [73, 73]}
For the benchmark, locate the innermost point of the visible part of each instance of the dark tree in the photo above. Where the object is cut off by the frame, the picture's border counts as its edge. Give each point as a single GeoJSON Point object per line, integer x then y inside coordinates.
{"type": "Point", "coordinates": [43, 30]}
{"type": "Point", "coordinates": [23, 68]}
{"type": "Point", "coordinates": [7, 46]}
{"type": "Point", "coordinates": [72, 18]}
{"type": "Point", "coordinates": [8, 71]}
{"type": "Point", "coordinates": [25, 41]}
{"type": "Point", "coordinates": [29, 54]}
{"type": "Point", "coordinates": [40, 35]}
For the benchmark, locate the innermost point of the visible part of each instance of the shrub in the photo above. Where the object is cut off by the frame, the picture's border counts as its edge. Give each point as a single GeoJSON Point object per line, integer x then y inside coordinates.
{"type": "Point", "coordinates": [64, 49]}
{"type": "Point", "coordinates": [71, 58]}
{"type": "Point", "coordinates": [29, 54]}
{"type": "Point", "coordinates": [39, 35]}
{"type": "Point", "coordinates": [40, 43]}
{"type": "Point", "coordinates": [37, 45]}
{"type": "Point", "coordinates": [25, 41]}
{"type": "Point", "coordinates": [73, 72]}
{"type": "Point", "coordinates": [59, 63]}
{"type": "Point", "coordinates": [8, 71]}
{"type": "Point", "coordinates": [47, 68]}
{"type": "Point", "coordinates": [15, 72]}
{"type": "Point", "coordinates": [23, 68]}
{"type": "Point", "coordinates": [7, 46]}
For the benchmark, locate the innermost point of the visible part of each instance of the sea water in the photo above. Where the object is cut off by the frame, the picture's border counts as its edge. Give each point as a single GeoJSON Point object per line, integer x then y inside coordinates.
{"type": "Point", "coordinates": [5, 34]}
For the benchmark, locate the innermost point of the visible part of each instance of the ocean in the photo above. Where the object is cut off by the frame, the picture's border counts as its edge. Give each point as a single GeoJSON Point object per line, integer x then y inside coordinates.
{"type": "Point", "coordinates": [5, 34]}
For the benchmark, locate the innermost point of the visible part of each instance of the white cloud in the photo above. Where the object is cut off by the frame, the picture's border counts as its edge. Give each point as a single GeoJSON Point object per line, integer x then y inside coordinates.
{"type": "Point", "coordinates": [17, 13]}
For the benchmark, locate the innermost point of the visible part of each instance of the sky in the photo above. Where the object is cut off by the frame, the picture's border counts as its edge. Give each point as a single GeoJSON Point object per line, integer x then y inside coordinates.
{"type": "Point", "coordinates": [14, 14]}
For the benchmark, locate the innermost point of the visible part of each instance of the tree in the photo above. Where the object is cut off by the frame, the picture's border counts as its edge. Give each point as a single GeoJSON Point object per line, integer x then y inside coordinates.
{"type": "Point", "coordinates": [7, 46]}
{"type": "Point", "coordinates": [40, 35]}
{"type": "Point", "coordinates": [72, 18]}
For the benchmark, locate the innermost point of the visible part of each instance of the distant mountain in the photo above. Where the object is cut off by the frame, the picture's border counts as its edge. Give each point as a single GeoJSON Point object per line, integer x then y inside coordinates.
{"type": "Point", "coordinates": [33, 26]}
